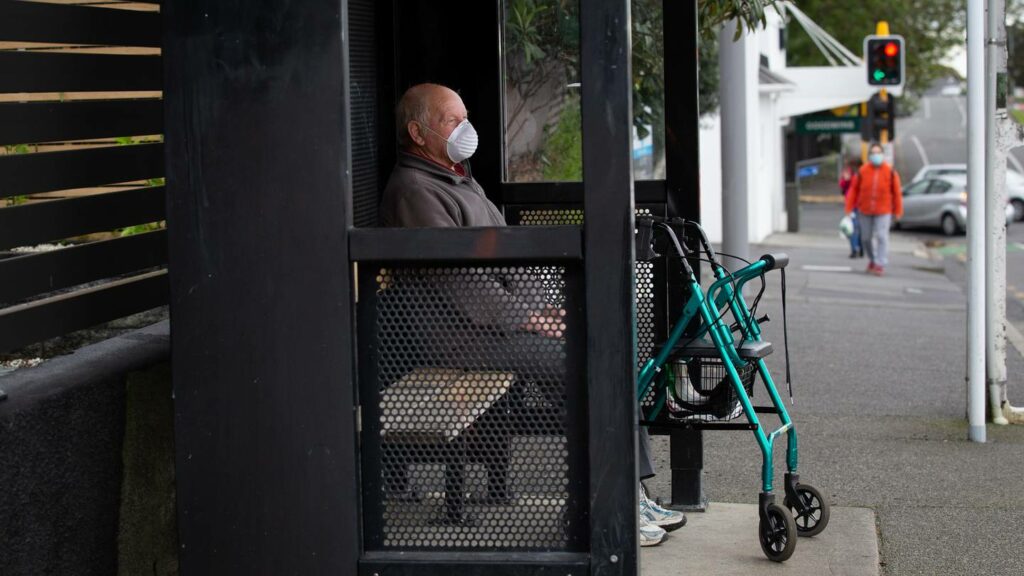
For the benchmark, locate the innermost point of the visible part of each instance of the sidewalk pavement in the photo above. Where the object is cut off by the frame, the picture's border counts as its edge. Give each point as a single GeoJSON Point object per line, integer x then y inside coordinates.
{"type": "Point", "coordinates": [727, 545]}
{"type": "Point", "coordinates": [878, 379]}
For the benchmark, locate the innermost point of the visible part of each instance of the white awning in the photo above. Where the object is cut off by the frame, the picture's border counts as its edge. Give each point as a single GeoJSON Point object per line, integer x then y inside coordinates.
{"type": "Point", "coordinates": [824, 88]}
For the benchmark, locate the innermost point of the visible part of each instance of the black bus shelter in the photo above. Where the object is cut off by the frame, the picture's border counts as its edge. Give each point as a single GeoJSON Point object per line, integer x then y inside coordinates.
{"type": "Point", "coordinates": [302, 410]}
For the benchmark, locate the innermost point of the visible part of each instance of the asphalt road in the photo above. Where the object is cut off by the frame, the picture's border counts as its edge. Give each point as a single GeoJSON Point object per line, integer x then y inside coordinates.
{"type": "Point", "coordinates": [818, 218]}
{"type": "Point", "coordinates": [936, 134]}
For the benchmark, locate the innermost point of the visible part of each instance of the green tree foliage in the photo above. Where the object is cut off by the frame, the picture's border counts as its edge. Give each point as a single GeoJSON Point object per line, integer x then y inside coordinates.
{"type": "Point", "coordinates": [1015, 62]}
{"type": "Point", "coordinates": [932, 28]}
{"type": "Point", "coordinates": [648, 65]}
{"type": "Point", "coordinates": [1015, 41]}
{"type": "Point", "coordinates": [749, 14]}
{"type": "Point", "coordinates": [708, 77]}
{"type": "Point", "coordinates": [543, 37]}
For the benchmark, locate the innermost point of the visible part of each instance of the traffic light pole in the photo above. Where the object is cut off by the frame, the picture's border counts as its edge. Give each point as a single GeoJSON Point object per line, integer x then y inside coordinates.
{"type": "Point", "coordinates": [886, 67]}
{"type": "Point", "coordinates": [882, 29]}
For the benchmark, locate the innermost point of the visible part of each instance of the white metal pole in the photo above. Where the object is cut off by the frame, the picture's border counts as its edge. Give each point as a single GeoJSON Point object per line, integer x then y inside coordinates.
{"type": "Point", "coordinates": [732, 65]}
{"type": "Point", "coordinates": [976, 219]}
{"type": "Point", "coordinates": [995, 221]}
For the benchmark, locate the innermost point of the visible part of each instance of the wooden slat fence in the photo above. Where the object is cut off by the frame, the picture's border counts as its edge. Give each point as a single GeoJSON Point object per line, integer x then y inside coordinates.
{"type": "Point", "coordinates": [81, 166]}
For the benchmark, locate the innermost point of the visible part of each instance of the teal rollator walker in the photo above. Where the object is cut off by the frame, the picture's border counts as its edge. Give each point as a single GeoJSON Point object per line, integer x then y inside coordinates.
{"type": "Point", "coordinates": [703, 376]}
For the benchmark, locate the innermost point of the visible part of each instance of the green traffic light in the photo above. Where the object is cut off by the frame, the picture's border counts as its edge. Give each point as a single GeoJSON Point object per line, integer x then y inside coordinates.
{"type": "Point", "coordinates": [879, 75]}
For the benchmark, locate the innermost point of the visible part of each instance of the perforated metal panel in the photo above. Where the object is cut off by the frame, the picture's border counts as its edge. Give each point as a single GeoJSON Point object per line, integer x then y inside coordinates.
{"type": "Point", "coordinates": [647, 324]}
{"type": "Point", "coordinates": [466, 418]}
{"type": "Point", "coordinates": [550, 216]}
{"type": "Point", "coordinates": [363, 111]}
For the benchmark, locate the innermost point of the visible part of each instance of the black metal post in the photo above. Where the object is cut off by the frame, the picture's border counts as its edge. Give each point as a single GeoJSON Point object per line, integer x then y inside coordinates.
{"type": "Point", "coordinates": [259, 207]}
{"type": "Point", "coordinates": [682, 154]}
{"type": "Point", "coordinates": [610, 290]}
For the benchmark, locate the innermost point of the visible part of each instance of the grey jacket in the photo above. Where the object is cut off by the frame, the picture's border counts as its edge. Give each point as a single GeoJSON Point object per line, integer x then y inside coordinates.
{"type": "Point", "coordinates": [421, 194]}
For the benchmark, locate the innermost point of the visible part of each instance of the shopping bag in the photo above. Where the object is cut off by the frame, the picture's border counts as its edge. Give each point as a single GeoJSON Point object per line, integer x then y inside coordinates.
{"type": "Point", "coordinates": [846, 226]}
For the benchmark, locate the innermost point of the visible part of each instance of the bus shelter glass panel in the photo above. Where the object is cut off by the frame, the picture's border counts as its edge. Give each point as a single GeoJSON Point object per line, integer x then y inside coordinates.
{"type": "Point", "coordinates": [543, 127]}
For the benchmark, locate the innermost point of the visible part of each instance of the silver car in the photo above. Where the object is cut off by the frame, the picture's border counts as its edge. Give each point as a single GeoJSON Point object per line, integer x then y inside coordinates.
{"type": "Point", "coordinates": [1014, 182]}
{"type": "Point", "coordinates": [938, 203]}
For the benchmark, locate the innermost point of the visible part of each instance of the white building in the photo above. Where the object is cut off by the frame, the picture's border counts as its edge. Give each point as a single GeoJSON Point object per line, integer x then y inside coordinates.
{"type": "Point", "coordinates": [782, 93]}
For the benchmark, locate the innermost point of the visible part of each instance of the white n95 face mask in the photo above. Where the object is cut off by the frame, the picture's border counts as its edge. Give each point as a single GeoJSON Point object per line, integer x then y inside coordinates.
{"type": "Point", "coordinates": [461, 144]}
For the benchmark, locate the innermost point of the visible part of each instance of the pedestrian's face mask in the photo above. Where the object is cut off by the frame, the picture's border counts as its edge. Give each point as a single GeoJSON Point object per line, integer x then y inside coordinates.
{"type": "Point", "coordinates": [876, 158]}
{"type": "Point", "coordinates": [461, 143]}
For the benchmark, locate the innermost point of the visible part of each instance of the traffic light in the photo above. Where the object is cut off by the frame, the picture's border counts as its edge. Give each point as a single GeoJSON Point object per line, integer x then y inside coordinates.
{"type": "Point", "coordinates": [881, 115]}
{"type": "Point", "coordinates": [884, 56]}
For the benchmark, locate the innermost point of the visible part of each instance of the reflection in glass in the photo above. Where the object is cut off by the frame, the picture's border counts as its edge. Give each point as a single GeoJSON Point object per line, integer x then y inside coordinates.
{"type": "Point", "coordinates": [648, 90]}
{"type": "Point", "coordinates": [543, 127]}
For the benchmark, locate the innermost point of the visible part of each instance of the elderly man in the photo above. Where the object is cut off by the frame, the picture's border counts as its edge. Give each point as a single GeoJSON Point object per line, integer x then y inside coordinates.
{"type": "Point", "coordinates": [432, 185]}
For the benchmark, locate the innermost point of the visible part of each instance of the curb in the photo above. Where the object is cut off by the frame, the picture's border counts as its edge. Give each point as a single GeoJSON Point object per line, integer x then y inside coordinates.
{"type": "Point", "coordinates": [822, 199]}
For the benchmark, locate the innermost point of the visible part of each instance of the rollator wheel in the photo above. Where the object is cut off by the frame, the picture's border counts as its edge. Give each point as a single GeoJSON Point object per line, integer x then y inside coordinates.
{"type": "Point", "coordinates": [815, 518]}
{"type": "Point", "coordinates": [777, 533]}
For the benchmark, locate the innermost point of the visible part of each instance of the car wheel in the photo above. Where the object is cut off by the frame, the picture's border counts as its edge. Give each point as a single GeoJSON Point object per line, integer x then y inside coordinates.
{"type": "Point", "coordinates": [1018, 209]}
{"type": "Point", "coordinates": [949, 225]}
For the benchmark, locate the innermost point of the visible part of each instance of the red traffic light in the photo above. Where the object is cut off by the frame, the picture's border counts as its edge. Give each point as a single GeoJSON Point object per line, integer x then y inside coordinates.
{"type": "Point", "coordinates": [884, 57]}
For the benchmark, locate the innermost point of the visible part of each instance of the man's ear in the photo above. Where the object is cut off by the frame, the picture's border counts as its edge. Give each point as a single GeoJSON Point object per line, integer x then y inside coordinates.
{"type": "Point", "coordinates": [416, 133]}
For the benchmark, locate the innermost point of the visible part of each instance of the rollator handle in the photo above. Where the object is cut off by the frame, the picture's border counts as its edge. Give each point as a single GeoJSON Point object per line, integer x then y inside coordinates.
{"type": "Point", "coordinates": [645, 239]}
{"type": "Point", "coordinates": [774, 261]}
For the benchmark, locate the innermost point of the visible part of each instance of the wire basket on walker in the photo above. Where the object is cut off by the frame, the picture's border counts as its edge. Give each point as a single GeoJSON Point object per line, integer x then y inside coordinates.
{"type": "Point", "coordinates": [702, 391]}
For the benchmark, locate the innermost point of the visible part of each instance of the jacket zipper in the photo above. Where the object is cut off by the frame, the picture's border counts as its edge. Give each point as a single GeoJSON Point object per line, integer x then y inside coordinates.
{"type": "Point", "coordinates": [874, 191]}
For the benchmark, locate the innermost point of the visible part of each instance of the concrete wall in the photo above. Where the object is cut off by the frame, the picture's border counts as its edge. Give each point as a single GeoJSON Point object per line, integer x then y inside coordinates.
{"type": "Point", "coordinates": [86, 455]}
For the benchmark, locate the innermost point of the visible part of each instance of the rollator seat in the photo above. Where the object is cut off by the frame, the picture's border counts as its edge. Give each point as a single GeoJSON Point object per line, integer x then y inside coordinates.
{"type": "Point", "coordinates": [703, 349]}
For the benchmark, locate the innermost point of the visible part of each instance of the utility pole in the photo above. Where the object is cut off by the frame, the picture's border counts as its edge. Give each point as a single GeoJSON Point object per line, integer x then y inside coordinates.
{"type": "Point", "coordinates": [995, 221]}
{"type": "Point", "coordinates": [976, 362]}
{"type": "Point", "coordinates": [1001, 137]}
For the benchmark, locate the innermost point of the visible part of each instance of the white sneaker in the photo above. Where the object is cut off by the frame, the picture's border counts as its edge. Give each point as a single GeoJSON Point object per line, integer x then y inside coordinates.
{"type": "Point", "coordinates": [650, 535]}
{"type": "Point", "coordinates": [658, 516]}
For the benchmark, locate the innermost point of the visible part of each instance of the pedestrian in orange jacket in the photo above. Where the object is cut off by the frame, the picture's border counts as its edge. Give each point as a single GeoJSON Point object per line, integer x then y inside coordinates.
{"type": "Point", "coordinates": [877, 196]}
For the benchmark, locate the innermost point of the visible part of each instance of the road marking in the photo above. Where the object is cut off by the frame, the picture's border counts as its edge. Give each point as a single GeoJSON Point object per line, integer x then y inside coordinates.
{"type": "Point", "coordinates": [1015, 162]}
{"type": "Point", "coordinates": [814, 268]}
{"type": "Point", "coordinates": [1015, 337]}
{"type": "Point", "coordinates": [920, 150]}
{"type": "Point", "coordinates": [963, 112]}
{"type": "Point", "coordinates": [927, 108]}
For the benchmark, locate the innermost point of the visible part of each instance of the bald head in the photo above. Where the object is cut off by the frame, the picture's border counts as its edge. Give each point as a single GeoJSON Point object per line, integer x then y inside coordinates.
{"type": "Point", "coordinates": [437, 107]}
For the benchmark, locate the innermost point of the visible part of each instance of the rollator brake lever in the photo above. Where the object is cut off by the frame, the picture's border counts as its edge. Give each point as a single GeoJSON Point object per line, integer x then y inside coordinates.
{"type": "Point", "coordinates": [762, 320]}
